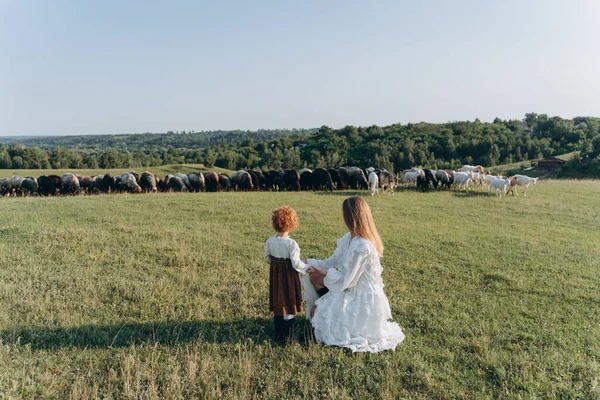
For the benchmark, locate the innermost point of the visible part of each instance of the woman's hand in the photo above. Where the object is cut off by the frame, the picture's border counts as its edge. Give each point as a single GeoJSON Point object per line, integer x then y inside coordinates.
{"type": "Point", "coordinates": [317, 271]}
{"type": "Point", "coordinates": [317, 280]}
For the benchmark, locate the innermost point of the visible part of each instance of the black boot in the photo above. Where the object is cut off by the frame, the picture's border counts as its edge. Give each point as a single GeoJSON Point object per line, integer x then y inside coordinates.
{"type": "Point", "coordinates": [279, 328]}
{"type": "Point", "coordinates": [289, 324]}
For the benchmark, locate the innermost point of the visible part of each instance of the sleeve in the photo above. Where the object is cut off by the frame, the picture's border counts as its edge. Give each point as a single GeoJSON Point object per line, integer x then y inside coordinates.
{"type": "Point", "coordinates": [297, 263]}
{"type": "Point", "coordinates": [332, 261]}
{"type": "Point", "coordinates": [355, 267]}
{"type": "Point", "coordinates": [309, 294]}
{"type": "Point", "coordinates": [334, 280]}
{"type": "Point", "coordinates": [267, 252]}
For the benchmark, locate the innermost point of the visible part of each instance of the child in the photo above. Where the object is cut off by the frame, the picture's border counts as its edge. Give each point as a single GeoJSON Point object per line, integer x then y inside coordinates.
{"type": "Point", "coordinates": [283, 253]}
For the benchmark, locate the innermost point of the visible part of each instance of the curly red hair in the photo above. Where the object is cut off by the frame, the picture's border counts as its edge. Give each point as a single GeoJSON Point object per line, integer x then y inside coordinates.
{"type": "Point", "coordinates": [284, 219]}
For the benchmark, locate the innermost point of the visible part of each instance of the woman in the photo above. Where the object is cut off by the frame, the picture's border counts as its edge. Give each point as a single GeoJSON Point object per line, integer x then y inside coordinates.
{"type": "Point", "coordinates": [354, 313]}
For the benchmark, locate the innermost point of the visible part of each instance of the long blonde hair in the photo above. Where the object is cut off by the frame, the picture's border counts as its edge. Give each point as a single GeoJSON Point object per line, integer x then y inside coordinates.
{"type": "Point", "coordinates": [359, 220]}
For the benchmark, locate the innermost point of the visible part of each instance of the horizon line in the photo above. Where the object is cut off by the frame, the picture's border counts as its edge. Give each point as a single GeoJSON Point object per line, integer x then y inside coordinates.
{"type": "Point", "coordinates": [181, 132]}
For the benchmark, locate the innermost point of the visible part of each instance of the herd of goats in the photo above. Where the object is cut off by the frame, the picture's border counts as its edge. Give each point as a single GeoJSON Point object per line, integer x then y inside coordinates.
{"type": "Point", "coordinates": [372, 179]}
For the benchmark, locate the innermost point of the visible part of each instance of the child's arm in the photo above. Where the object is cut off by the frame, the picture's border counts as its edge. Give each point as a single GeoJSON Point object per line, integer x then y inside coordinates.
{"type": "Point", "coordinates": [267, 252]}
{"type": "Point", "coordinates": [297, 263]}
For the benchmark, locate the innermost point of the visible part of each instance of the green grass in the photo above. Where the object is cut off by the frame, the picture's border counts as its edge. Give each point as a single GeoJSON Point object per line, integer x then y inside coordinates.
{"type": "Point", "coordinates": [159, 170]}
{"type": "Point", "coordinates": [166, 296]}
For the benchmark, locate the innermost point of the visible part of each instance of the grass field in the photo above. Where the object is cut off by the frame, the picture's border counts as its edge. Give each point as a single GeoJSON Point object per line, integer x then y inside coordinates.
{"type": "Point", "coordinates": [166, 296]}
{"type": "Point", "coordinates": [517, 168]}
{"type": "Point", "coordinates": [161, 170]}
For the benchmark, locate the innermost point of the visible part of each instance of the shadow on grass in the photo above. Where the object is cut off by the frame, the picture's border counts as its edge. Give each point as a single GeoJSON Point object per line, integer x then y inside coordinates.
{"type": "Point", "coordinates": [163, 333]}
{"type": "Point", "coordinates": [348, 193]}
{"type": "Point", "coordinates": [472, 194]}
{"type": "Point", "coordinates": [345, 193]}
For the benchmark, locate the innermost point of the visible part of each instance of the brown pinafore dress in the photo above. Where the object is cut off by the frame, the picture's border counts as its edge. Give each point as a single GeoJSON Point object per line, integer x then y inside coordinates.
{"type": "Point", "coordinates": [285, 292]}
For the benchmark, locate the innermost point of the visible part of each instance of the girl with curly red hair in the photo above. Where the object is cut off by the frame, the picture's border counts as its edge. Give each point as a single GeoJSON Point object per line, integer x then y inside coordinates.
{"type": "Point", "coordinates": [283, 253]}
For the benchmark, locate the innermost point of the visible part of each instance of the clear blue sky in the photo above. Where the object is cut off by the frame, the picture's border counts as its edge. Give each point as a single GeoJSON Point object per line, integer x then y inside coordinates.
{"type": "Point", "coordinates": [90, 67]}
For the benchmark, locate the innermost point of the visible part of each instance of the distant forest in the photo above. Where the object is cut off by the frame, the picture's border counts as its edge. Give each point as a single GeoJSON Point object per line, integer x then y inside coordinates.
{"type": "Point", "coordinates": [395, 147]}
{"type": "Point", "coordinates": [156, 141]}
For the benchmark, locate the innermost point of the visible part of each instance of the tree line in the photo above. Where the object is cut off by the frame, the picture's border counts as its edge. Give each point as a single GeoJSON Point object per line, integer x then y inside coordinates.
{"type": "Point", "coordinates": [153, 142]}
{"type": "Point", "coordinates": [394, 147]}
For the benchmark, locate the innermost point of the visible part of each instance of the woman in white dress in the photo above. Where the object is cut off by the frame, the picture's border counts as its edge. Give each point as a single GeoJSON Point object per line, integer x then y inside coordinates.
{"type": "Point", "coordinates": [355, 312]}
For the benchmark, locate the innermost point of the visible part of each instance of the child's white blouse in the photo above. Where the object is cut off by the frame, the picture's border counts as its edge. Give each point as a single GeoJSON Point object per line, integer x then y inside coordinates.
{"type": "Point", "coordinates": [285, 247]}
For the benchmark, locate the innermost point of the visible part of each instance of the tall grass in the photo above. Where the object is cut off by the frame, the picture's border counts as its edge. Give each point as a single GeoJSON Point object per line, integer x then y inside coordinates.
{"type": "Point", "coordinates": [165, 296]}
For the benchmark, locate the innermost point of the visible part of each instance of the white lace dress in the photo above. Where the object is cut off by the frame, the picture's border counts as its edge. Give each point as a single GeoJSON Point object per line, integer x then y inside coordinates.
{"type": "Point", "coordinates": [355, 313]}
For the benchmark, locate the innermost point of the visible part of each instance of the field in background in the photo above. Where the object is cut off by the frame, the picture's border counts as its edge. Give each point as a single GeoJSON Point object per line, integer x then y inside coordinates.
{"type": "Point", "coordinates": [166, 296]}
{"type": "Point", "coordinates": [161, 170]}
{"type": "Point", "coordinates": [518, 167]}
